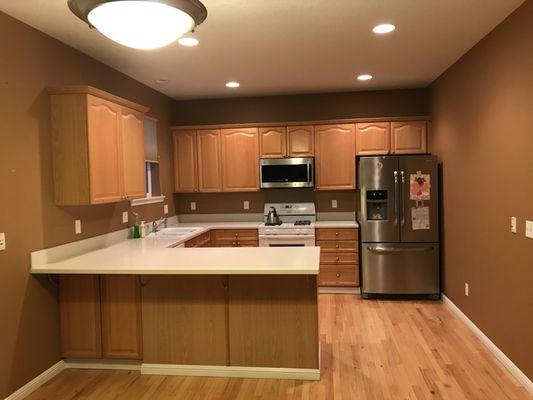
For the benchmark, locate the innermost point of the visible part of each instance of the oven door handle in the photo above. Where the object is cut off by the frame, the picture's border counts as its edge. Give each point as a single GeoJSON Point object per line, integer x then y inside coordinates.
{"type": "Point", "coordinates": [283, 237]}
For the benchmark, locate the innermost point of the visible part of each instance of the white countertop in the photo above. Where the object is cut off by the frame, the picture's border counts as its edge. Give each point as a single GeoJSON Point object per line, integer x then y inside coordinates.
{"type": "Point", "coordinates": [336, 224]}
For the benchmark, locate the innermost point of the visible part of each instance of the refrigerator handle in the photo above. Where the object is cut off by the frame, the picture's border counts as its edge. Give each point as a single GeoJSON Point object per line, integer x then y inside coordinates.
{"type": "Point", "coordinates": [378, 249]}
{"type": "Point", "coordinates": [401, 198]}
{"type": "Point", "coordinates": [396, 191]}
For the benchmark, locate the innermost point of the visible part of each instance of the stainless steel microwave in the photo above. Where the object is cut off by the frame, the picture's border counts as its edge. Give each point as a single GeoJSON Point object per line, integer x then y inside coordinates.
{"type": "Point", "coordinates": [287, 172]}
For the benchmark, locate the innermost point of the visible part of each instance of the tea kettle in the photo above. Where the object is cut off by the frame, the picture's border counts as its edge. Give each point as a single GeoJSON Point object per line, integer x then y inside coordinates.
{"type": "Point", "coordinates": [272, 217]}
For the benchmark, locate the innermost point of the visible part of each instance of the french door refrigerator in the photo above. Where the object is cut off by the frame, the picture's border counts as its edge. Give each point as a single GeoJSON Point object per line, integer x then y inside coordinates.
{"type": "Point", "coordinates": [398, 217]}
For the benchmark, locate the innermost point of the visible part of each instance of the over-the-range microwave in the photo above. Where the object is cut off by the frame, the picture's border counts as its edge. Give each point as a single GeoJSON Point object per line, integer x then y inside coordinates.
{"type": "Point", "coordinates": [294, 172]}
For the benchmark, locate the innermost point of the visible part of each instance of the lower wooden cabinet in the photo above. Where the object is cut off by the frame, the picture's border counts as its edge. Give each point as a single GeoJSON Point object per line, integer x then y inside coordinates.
{"type": "Point", "coordinates": [100, 316]}
{"type": "Point", "coordinates": [202, 240]}
{"type": "Point", "coordinates": [339, 256]}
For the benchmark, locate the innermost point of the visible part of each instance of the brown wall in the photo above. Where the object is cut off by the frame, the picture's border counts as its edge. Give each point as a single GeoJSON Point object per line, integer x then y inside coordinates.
{"type": "Point", "coordinates": [483, 133]}
{"type": "Point", "coordinates": [30, 62]}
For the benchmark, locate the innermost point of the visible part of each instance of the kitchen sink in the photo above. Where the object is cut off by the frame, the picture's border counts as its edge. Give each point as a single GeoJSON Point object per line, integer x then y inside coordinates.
{"type": "Point", "coordinates": [176, 231]}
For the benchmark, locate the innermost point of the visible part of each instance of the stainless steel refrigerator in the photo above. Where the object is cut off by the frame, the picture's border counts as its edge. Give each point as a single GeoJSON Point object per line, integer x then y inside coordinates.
{"type": "Point", "coordinates": [399, 224]}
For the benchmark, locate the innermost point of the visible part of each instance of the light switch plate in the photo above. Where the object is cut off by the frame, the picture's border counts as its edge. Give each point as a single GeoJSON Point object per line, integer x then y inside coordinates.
{"type": "Point", "coordinates": [246, 204]}
{"type": "Point", "coordinates": [2, 241]}
{"type": "Point", "coordinates": [124, 217]}
{"type": "Point", "coordinates": [165, 209]}
{"type": "Point", "coordinates": [193, 205]}
{"type": "Point", "coordinates": [77, 226]}
{"type": "Point", "coordinates": [333, 203]}
{"type": "Point", "coordinates": [513, 224]}
{"type": "Point", "coordinates": [529, 229]}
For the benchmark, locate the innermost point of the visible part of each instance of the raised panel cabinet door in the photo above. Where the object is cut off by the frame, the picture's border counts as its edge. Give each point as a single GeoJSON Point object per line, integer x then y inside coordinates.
{"type": "Point", "coordinates": [121, 316]}
{"type": "Point", "coordinates": [133, 160]}
{"type": "Point", "coordinates": [185, 162]}
{"type": "Point", "coordinates": [335, 157]}
{"type": "Point", "coordinates": [372, 138]}
{"type": "Point", "coordinates": [301, 141]}
{"type": "Point", "coordinates": [240, 160]}
{"type": "Point", "coordinates": [209, 162]}
{"type": "Point", "coordinates": [409, 137]}
{"type": "Point", "coordinates": [79, 315]}
{"type": "Point", "coordinates": [105, 163]}
{"type": "Point", "coordinates": [273, 142]}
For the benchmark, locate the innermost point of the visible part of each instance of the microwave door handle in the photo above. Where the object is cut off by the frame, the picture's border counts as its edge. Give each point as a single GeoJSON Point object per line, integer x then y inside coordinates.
{"type": "Point", "coordinates": [308, 173]}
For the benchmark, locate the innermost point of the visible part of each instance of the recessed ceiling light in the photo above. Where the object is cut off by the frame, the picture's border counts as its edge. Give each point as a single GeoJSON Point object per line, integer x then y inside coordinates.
{"type": "Point", "coordinates": [141, 24]}
{"type": "Point", "coordinates": [233, 84]}
{"type": "Point", "coordinates": [364, 77]}
{"type": "Point", "coordinates": [188, 41]}
{"type": "Point", "coordinates": [383, 28]}
{"type": "Point", "coordinates": [162, 81]}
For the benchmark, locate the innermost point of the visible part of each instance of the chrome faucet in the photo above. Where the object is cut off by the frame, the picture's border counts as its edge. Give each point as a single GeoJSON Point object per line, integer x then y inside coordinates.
{"type": "Point", "coordinates": [157, 224]}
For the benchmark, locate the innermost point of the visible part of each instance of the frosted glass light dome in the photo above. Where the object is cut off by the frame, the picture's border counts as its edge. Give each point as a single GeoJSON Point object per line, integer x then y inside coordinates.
{"type": "Point", "coordinates": [142, 25]}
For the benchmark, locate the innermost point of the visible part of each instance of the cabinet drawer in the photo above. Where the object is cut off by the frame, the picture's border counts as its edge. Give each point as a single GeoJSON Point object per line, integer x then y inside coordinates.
{"type": "Point", "coordinates": [330, 275]}
{"type": "Point", "coordinates": [237, 243]}
{"type": "Point", "coordinates": [336, 234]}
{"type": "Point", "coordinates": [333, 246]}
{"type": "Point", "coordinates": [236, 234]}
{"type": "Point", "coordinates": [339, 258]}
{"type": "Point", "coordinates": [199, 241]}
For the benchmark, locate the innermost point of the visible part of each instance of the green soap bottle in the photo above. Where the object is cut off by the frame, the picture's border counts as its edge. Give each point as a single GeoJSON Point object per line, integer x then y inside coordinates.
{"type": "Point", "coordinates": [136, 228]}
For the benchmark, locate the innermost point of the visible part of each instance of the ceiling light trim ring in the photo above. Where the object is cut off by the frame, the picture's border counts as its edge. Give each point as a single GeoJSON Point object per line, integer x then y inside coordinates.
{"type": "Point", "coordinates": [194, 8]}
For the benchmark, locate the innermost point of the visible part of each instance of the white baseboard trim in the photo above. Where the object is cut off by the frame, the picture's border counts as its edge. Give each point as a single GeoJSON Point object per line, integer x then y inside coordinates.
{"type": "Point", "coordinates": [37, 382]}
{"type": "Point", "coordinates": [500, 355]}
{"type": "Point", "coordinates": [338, 290]}
{"type": "Point", "coordinates": [231, 372]}
{"type": "Point", "coordinates": [103, 364]}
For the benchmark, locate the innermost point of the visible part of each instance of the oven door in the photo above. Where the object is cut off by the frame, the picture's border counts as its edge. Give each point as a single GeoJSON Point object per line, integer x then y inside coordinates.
{"type": "Point", "coordinates": [286, 240]}
{"type": "Point", "coordinates": [287, 172]}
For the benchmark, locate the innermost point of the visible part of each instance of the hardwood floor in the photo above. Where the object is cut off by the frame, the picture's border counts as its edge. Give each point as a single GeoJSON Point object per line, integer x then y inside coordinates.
{"type": "Point", "coordinates": [369, 350]}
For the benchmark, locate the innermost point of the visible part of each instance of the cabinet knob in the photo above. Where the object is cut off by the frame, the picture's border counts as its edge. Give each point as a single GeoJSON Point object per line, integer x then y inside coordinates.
{"type": "Point", "coordinates": [336, 233]}
{"type": "Point", "coordinates": [234, 243]}
{"type": "Point", "coordinates": [338, 275]}
{"type": "Point", "coordinates": [336, 246]}
{"type": "Point", "coordinates": [238, 243]}
{"type": "Point", "coordinates": [338, 259]}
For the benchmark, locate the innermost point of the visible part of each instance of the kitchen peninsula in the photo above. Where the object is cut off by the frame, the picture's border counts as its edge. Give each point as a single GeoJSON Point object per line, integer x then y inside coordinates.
{"type": "Point", "coordinates": [237, 311]}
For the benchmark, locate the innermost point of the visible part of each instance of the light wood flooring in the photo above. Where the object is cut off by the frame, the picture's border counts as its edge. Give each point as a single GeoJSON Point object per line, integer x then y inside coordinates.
{"type": "Point", "coordinates": [369, 350]}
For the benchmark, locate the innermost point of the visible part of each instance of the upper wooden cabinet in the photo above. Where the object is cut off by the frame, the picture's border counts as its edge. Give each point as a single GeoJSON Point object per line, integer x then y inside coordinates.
{"type": "Point", "coordinates": [185, 162]}
{"type": "Point", "coordinates": [409, 137]}
{"type": "Point", "coordinates": [373, 138]}
{"type": "Point", "coordinates": [273, 142]}
{"type": "Point", "coordinates": [98, 146]}
{"type": "Point", "coordinates": [335, 157]}
{"type": "Point", "coordinates": [240, 159]}
{"type": "Point", "coordinates": [301, 141]}
{"type": "Point", "coordinates": [209, 161]}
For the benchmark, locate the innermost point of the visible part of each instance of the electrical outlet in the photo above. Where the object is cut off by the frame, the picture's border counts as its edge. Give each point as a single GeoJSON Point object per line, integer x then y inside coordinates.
{"type": "Point", "coordinates": [77, 226]}
{"type": "Point", "coordinates": [513, 224]}
{"type": "Point", "coordinates": [165, 209]}
{"type": "Point", "coordinates": [193, 205]}
{"type": "Point", "coordinates": [246, 205]}
{"type": "Point", "coordinates": [333, 203]}
{"type": "Point", "coordinates": [467, 289]}
{"type": "Point", "coordinates": [529, 229]}
{"type": "Point", "coordinates": [2, 241]}
{"type": "Point", "coordinates": [124, 217]}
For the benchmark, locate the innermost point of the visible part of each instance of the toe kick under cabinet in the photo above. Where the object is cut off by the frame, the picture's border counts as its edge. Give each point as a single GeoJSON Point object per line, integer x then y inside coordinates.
{"type": "Point", "coordinates": [339, 258]}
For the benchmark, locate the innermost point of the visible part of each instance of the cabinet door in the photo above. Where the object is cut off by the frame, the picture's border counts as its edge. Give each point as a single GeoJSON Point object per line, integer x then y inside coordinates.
{"type": "Point", "coordinates": [373, 138]}
{"type": "Point", "coordinates": [273, 142]}
{"type": "Point", "coordinates": [301, 141]}
{"type": "Point", "coordinates": [409, 137]}
{"type": "Point", "coordinates": [240, 160]}
{"type": "Point", "coordinates": [185, 170]}
{"type": "Point", "coordinates": [209, 163]}
{"type": "Point", "coordinates": [105, 164]}
{"type": "Point", "coordinates": [335, 157]}
{"type": "Point", "coordinates": [133, 160]}
{"type": "Point", "coordinates": [79, 311]}
{"type": "Point", "coordinates": [121, 316]}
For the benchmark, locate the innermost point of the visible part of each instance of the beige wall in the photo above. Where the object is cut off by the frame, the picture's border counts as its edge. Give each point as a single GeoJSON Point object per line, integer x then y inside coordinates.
{"type": "Point", "coordinates": [29, 62]}
{"type": "Point", "coordinates": [483, 133]}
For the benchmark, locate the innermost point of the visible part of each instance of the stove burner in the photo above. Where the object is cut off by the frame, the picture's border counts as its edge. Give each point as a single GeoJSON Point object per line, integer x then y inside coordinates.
{"type": "Point", "coordinates": [278, 224]}
{"type": "Point", "coordinates": [303, 222]}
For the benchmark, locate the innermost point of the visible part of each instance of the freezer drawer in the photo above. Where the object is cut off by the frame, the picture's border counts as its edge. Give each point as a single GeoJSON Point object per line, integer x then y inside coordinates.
{"type": "Point", "coordinates": [400, 269]}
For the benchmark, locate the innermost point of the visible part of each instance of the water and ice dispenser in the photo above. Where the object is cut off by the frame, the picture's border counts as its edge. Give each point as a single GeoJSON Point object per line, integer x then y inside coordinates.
{"type": "Point", "coordinates": [376, 205]}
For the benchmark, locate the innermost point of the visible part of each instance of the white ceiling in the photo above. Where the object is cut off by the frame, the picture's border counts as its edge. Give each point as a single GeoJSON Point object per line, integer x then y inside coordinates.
{"type": "Point", "coordinates": [289, 46]}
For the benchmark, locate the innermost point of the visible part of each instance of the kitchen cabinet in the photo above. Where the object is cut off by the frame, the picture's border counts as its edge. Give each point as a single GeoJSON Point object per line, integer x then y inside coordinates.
{"type": "Point", "coordinates": [98, 146]}
{"type": "Point", "coordinates": [121, 316]}
{"type": "Point", "coordinates": [79, 312]}
{"type": "Point", "coordinates": [335, 157]}
{"type": "Point", "coordinates": [301, 141]}
{"type": "Point", "coordinates": [209, 160]}
{"type": "Point", "coordinates": [339, 259]}
{"type": "Point", "coordinates": [373, 138]}
{"type": "Point", "coordinates": [273, 142]}
{"type": "Point", "coordinates": [185, 161]}
{"type": "Point", "coordinates": [202, 240]}
{"type": "Point", "coordinates": [409, 137]}
{"type": "Point", "coordinates": [240, 159]}
{"type": "Point", "coordinates": [236, 238]}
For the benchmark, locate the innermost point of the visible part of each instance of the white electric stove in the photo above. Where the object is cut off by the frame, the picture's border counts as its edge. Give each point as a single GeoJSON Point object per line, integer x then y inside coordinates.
{"type": "Point", "coordinates": [297, 226]}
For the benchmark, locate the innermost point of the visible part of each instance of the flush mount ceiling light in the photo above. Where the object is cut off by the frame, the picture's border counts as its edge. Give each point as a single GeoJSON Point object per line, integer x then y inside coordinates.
{"type": "Point", "coordinates": [383, 28]}
{"type": "Point", "coordinates": [141, 24]}
{"type": "Point", "coordinates": [364, 77]}
{"type": "Point", "coordinates": [233, 84]}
